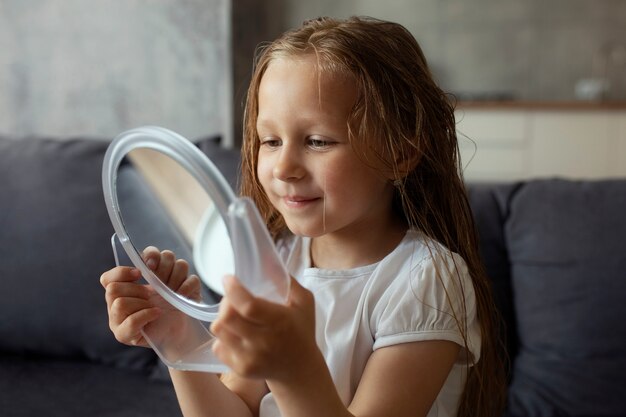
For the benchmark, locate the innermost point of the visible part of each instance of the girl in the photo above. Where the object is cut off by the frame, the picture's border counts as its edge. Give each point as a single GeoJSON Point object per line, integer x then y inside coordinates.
{"type": "Point", "coordinates": [350, 154]}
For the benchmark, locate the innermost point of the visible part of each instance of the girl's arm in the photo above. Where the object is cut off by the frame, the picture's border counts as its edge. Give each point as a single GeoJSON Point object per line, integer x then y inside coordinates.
{"type": "Point", "coordinates": [131, 306]}
{"type": "Point", "coordinates": [400, 380]}
{"type": "Point", "coordinates": [405, 379]}
{"type": "Point", "coordinates": [204, 394]}
{"type": "Point", "coordinates": [200, 393]}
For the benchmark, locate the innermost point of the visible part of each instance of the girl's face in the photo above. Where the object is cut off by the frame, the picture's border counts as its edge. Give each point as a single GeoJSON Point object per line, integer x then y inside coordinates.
{"type": "Point", "coordinates": [306, 165]}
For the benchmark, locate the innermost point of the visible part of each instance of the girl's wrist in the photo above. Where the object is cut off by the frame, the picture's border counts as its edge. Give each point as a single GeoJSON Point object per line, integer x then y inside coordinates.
{"type": "Point", "coordinates": [311, 366]}
{"type": "Point", "coordinates": [308, 390]}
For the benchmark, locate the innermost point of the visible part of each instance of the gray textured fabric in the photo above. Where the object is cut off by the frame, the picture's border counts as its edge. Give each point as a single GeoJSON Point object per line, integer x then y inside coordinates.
{"type": "Point", "coordinates": [489, 202]}
{"type": "Point", "coordinates": [72, 388]}
{"type": "Point", "coordinates": [55, 344]}
{"type": "Point", "coordinates": [565, 241]}
{"type": "Point", "coordinates": [54, 245]}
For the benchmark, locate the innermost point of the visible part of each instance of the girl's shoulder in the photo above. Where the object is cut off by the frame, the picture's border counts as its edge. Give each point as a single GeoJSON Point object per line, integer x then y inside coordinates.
{"type": "Point", "coordinates": [423, 269]}
{"type": "Point", "coordinates": [417, 251]}
{"type": "Point", "coordinates": [422, 291]}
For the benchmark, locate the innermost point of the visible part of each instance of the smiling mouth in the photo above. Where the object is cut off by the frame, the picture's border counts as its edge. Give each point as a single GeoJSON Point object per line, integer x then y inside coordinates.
{"type": "Point", "coordinates": [298, 202]}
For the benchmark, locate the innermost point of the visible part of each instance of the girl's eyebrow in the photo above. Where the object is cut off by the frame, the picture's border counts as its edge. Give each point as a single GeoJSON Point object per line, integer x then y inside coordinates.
{"type": "Point", "coordinates": [263, 123]}
{"type": "Point", "coordinates": [303, 120]}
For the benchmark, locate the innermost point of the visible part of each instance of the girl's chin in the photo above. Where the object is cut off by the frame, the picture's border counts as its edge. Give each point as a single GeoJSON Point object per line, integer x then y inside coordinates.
{"type": "Point", "coordinates": [304, 231]}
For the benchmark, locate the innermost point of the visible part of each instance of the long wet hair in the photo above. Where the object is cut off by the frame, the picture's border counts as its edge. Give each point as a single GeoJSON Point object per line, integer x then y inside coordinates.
{"type": "Point", "coordinates": [404, 123]}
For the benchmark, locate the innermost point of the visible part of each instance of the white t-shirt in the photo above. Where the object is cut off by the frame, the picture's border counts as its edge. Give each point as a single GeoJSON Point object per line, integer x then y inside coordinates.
{"type": "Point", "coordinates": [397, 300]}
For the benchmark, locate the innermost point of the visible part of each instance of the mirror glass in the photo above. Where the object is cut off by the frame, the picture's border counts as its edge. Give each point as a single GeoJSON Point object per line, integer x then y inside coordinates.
{"type": "Point", "coordinates": [162, 205]}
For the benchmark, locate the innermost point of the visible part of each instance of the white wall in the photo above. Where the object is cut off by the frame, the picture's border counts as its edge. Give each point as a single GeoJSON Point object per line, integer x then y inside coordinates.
{"type": "Point", "coordinates": [98, 67]}
{"type": "Point", "coordinates": [528, 49]}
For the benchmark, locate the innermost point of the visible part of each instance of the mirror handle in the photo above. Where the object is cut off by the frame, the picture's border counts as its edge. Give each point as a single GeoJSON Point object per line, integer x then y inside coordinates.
{"type": "Point", "coordinates": [261, 271]}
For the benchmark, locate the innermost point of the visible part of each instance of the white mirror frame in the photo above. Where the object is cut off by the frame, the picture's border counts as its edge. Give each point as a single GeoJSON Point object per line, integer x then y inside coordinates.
{"type": "Point", "coordinates": [197, 164]}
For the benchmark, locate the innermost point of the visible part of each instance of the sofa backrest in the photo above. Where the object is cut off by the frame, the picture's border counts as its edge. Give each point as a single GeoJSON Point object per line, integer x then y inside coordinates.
{"type": "Point", "coordinates": [55, 242]}
{"type": "Point", "coordinates": [562, 295]}
{"type": "Point", "coordinates": [54, 245]}
{"type": "Point", "coordinates": [489, 203]}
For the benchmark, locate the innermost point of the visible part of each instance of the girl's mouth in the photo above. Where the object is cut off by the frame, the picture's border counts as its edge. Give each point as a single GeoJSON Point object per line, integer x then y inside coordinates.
{"type": "Point", "coordinates": [299, 202]}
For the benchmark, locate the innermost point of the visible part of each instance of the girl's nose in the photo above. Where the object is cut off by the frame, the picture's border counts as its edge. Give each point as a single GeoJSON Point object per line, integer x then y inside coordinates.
{"type": "Point", "coordinates": [289, 165]}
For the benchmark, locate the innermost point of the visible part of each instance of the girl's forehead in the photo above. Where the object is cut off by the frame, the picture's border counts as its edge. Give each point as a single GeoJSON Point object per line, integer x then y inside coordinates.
{"type": "Point", "coordinates": [320, 70]}
{"type": "Point", "coordinates": [294, 90]}
{"type": "Point", "coordinates": [303, 76]}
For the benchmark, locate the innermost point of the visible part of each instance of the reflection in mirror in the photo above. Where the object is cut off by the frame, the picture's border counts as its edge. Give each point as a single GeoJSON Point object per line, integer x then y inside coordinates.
{"type": "Point", "coordinates": [163, 206]}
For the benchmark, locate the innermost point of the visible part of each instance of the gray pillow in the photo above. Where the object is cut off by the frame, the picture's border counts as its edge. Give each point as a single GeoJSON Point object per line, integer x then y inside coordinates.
{"type": "Point", "coordinates": [54, 245]}
{"type": "Point", "coordinates": [489, 206]}
{"type": "Point", "coordinates": [565, 241]}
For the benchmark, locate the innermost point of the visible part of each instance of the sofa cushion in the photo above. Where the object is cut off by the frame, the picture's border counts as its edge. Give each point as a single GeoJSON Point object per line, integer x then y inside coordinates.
{"type": "Point", "coordinates": [489, 202]}
{"type": "Point", "coordinates": [54, 244]}
{"type": "Point", "coordinates": [72, 388]}
{"type": "Point", "coordinates": [565, 242]}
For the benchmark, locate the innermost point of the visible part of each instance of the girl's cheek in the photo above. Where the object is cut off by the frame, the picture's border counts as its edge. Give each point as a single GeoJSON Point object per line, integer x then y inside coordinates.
{"type": "Point", "coordinates": [334, 176]}
{"type": "Point", "coordinates": [264, 171]}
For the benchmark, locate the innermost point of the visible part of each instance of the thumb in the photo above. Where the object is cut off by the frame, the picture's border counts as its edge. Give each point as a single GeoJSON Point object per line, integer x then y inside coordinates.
{"type": "Point", "coordinates": [300, 296]}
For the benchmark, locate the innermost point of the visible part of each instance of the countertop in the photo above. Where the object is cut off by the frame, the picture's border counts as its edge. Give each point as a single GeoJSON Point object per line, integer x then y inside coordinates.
{"type": "Point", "coordinates": [542, 105]}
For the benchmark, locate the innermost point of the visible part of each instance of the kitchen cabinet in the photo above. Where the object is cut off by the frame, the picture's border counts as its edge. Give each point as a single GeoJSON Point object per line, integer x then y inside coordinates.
{"type": "Point", "coordinates": [521, 141]}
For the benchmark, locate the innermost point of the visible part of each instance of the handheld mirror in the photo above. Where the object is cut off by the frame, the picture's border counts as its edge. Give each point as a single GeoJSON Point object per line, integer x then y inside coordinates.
{"type": "Point", "coordinates": [161, 191]}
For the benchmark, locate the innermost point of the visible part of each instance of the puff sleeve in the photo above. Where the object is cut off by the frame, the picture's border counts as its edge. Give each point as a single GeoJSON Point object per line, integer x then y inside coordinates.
{"type": "Point", "coordinates": [432, 299]}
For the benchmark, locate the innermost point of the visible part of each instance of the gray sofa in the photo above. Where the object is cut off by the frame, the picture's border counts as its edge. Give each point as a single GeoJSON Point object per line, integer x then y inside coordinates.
{"type": "Point", "coordinates": [553, 249]}
{"type": "Point", "coordinates": [555, 252]}
{"type": "Point", "coordinates": [57, 354]}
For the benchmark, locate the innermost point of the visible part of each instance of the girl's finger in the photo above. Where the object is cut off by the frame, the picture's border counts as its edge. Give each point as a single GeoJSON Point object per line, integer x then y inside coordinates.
{"type": "Point", "coordinates": [151, 257]}
{"type": "Point", "coordinates": [228, 347]}
{"type": "Point", "coordinates": [251, 308]}
{"type": "Point", "coordinates": [300, 296]}
{"type": "Point", "coordinates": [228, 338]}
{"type": "Point", "coordinates": [230, 320]}
{"type": "Point", "coordinates": [117, 289]}
{"type": "Point", "coordinates": [124, 307]}
{"type": "Point", "coordinates": [178, 274]}
{"type": "Point", "coordinates": [190, 288]}
{"type": "Point", "coordinates": [129, 331]}
{"type": "Point", "coordinates": [119, 273]}
{"type": "Point", "coordinates": [166, 264]}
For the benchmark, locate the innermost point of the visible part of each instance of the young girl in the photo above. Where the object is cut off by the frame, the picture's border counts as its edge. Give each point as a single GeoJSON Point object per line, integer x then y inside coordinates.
{"type": "Point", "coordinates": [350, 154]}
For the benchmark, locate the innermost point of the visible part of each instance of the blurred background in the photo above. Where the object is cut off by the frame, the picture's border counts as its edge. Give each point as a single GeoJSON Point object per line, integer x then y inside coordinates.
{"type": "Point", "coordinates": [95, 68]}
{"type": "Point", "coordinates": [98, 67]}
{"type": "Point", "coordinates": [491, 49]}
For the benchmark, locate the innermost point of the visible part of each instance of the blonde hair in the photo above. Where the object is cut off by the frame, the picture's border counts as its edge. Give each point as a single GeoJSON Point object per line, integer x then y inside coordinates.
{"type": "Point", "coordinates": [401, 121]}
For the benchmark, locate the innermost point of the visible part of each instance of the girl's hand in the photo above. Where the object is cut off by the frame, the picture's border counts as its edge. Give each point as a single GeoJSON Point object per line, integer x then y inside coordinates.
{"type": "Point", "coordinates": [261, 339]}
{"type": "Point", "coordinates": [173, 272]}
{"type": "Point", "coordinates": [132, 306]}
{"type": "Point", "coordinates": [128, 304]}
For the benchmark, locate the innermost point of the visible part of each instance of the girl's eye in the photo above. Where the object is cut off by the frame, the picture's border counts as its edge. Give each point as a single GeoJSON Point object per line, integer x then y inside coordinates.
{"type": "Point", "coordinates": [270, 142]}
{"type": "Point", "coordinates": [318, 143]}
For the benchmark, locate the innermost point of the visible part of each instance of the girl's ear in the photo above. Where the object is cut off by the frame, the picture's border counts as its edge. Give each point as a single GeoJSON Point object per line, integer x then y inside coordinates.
{"type": "Point", "coordinates": [404, 164]}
